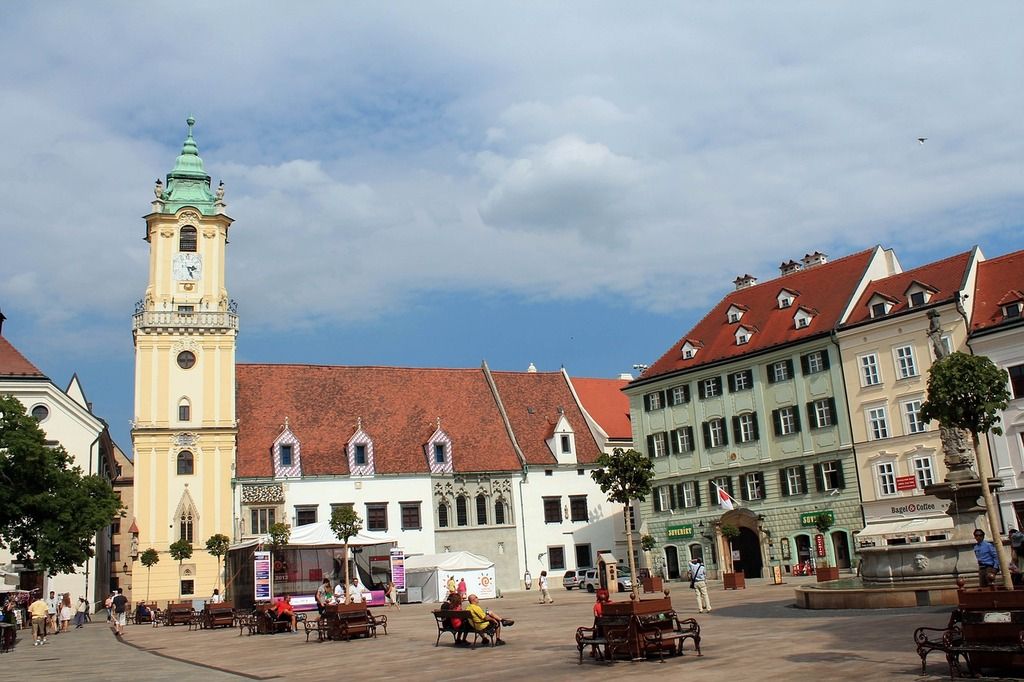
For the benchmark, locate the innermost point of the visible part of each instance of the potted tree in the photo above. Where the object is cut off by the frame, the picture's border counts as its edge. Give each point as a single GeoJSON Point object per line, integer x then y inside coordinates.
{"type": "Point", "coordinates": [625, 475]}
{"type": "Point", "coordinates": [731, 580]}
{"type": "Point", "coordinates": [651, 582]}
{"type": "Point", "coordinates": [181, 550]}
{"type": "Point", "coordinates": [217, 545]}
{"type": "Point", "coordinates": [825, 570]}
{"type": "Point", "coordinates": [149, 559]}
{"type": "Point", "coordinates": [346, 524]}
{"type": "Point", "coordinates": [279, 534]}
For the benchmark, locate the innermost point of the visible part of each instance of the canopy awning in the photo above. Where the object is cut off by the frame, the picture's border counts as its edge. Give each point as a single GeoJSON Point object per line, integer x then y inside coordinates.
{"type": "Point", "coordinates": [449, 561]}
{"type": "Point", "coordinates": [906, 526]}
{"type": "Point", "coordinates": [320, 535]}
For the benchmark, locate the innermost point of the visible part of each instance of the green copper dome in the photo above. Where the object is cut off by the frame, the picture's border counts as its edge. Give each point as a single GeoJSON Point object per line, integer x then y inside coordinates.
{"type": "Point", "coordinates": [187, 183]}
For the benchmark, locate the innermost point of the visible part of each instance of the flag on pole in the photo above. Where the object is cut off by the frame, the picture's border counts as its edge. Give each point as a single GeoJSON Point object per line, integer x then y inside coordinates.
{"type": "Point", "coordinates": [724, 498]}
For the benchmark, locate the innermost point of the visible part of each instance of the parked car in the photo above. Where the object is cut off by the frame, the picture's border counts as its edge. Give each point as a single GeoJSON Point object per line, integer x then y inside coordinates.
{"type": "Point", "coordinates": [589, 580]}
{"type": "Point", "coordinates": [571, 579]}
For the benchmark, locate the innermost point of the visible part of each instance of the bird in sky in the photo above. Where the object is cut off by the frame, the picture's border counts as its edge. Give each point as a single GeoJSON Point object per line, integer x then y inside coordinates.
{"type": "Point", "coordinates": [921, 140]}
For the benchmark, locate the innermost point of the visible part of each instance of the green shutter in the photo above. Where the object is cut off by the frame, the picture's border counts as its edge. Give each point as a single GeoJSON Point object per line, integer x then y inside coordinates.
{"type": "Point", "coordinates": [783, 483]}
{"type": "Point", "coordinates": [819, 479]}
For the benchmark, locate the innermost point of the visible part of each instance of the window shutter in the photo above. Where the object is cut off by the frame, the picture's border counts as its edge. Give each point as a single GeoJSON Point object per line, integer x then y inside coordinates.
{"type": "Point", "coordinates": [777, 422]}
{"type": "Point", "coordinates": [693, 444]}
{"type": "Point", "coordinates": [712, 493]}
{"type": "Point", "coordinates": [840, 476]}
{"type": "Point", "coordinates": [771, 373]}
{"type": "Point", "coordinates": [680, 497]}
{"type": "Point", "coordinates": [803, 477]}
{"type": "Point", "coordinates": [696, 493]}
{"type": "Point", "coordinates": [743, 486]}
{"type": "Point", "coordinates": [757, 431]}
{"type": "Point", "coordinates": [736, 429]}
{"type": "Point", "coordinates": [647, 402]}
{"type": "Point", "coordinates": [789, 367]}
{"type": "Point", "coordinates": [812, 418]}
{"type": "Point", "coordinates": [686, 393]}
{"type": "Point", "coordinates": [728, 485]}
{"type": "Point", "coordinates": [819, 480]}
{"type": "Point", "coordinates": [650, 446]}
{"type": "Point", "coordinates": [832, 411]}
{"type": "Point", "coordinates": [657, 500]}
{"type": "Point", "coordinates": [824, 358]}
{"type": "Point", "coordinates": [732, 383]}
{"type": "Point", "coordinates": [701, 393]}
{"type": "Point", "coordinates": [796, 420]}
{"type": "Point", "coordinates": [672, 503]}
{"type": "Point", "coordinates": [783, 483]}
{"type": "Point", "coordinates": [718, 385]}
{"type": "Point", "coordinates": [707, 434]}
{"type": "Point", "coordinates": [674, 437]}
{"type": "Point", "coordinates": [805, 363]}
{"type": "Point", "coordinates": [664, 398]}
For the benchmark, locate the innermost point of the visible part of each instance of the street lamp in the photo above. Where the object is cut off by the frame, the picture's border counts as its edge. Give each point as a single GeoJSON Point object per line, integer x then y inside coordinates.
{"type": "Point", "coordinates": [125, 569]}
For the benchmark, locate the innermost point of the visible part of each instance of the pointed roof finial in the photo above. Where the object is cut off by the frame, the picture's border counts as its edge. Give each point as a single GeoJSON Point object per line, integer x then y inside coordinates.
{"type": "Point", "coordinates": [189, 164]}
{"type": "Point", "coordinates": [438, 423]}
{"type": "Point", "coordinates": [359, 423]}
{"type": "Point", "coordinates": [286, 423]}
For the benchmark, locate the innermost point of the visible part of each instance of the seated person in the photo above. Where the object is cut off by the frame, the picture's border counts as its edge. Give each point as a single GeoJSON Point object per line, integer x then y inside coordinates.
{"type": "Point", "coordinates": [142, 613]}
{"type": "Point", "coordinates": [284, 611]}
{"type": "Point", "coordinates": [459, 625]}
{"type": "Point", "coordinates": [216, 597]}
{"type": "Point", "coordinates": [602, 599]}
{"type": "Point", "coordinates": [486, 623]}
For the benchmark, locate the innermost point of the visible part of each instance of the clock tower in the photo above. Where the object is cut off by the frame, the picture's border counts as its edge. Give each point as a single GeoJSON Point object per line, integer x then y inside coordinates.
{"type": "Point", "coordinates": [183, 432]}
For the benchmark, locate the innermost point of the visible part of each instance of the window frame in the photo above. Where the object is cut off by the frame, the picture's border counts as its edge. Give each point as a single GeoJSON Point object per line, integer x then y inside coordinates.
{"type": "Point", "coordinates": [552, 509]}
{"type": "Point", "coordinates": [556, 557]}
{"type": "Point", "coordinates": [912, 421]}
{"type": "Point", "coordinates": [185, 457]}
{"type": "Point", "coordinates": [885, 479]}
{"type": "Point", "coordinates": [682, 440]}
{"type": "Point", "coordinates": [287, 453]}
{"type": "Point", "coordinates": [741, 381]}
{"type": "Point", "coordinates": [374, 509]}
{"type": "Point", "coordinates": [905, 362]}
{"type": "Point", "coordinates": [877, 422]}
{"type": "Point", "coordinates": [1016, 381]}
{"type": "Point", "coordinates": [753, 486]}
{"type": "Point", "coordinates": [264, 518]}
{"type": "Point", "coordinates": [710, 387]}
{"type": "Point", "coordinates": [306, 509]}
{"type": "Point", "coordinates": [574, 507]}
{"type": "Point", "coordinates": [795, 480]}
{"type": "Point", "coordinates": [480, 502]}
{"type": "Point", "coordinates": [925, 475]}
{"type": "Point", "coordinates": [868, 369]}
{"type": "Point", "coordinates": [780, 370]}
{"type": "Point", "coordinates": [679, 395]}
{"type": "Point", "coordinates": [407, 510]}
{"type": "Point", "coordinates": [716, 433]}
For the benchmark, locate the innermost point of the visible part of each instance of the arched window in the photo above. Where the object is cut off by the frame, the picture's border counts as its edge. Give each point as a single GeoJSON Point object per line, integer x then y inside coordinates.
{"type": "Point", "coordinates": [187, 240]}
{"type": "Point", "coordinates": [185, 529]}
{"type": "Point", "coordinates": [442, 515]}
{"type": "Point", "coordinates": [184, 410]}
{"type": "Point", "coordinates": [481, 510]}
{"type": "Point", "coordinates": [186, 463]}
{"type": "Point", "coordinates": [461, 511]}
{"type": "Point", "coordinates": [499, 512]}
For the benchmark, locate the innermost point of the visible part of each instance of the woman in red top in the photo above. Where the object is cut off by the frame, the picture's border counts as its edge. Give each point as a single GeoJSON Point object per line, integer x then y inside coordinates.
{"type": "Point", "coordinates": [285, 611]}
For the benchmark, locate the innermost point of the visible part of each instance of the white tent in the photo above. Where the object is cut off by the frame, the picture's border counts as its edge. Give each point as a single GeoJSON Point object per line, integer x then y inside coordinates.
{"type": "Point", "coordinates": [321, 535]}
{"type": "Point", "coordinates": [430, 573]}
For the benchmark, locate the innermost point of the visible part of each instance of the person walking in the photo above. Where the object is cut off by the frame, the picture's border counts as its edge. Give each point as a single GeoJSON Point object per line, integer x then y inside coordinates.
{"type": "Point", "coordinates": [391, 591]}
{"type": "Point", "coordinates": [699, 583]}
{"type": "Point", "coordinates": [52, 606]}
{"type": "Point", "coordinates": [988, 560]}
{"type": "Point", "coordinates": [120, 605]}
{"type": "Point", "coordinates": [39, 611]}
{"type": "Point", "coordinates": [65, 612]}
{"type": "Point", "coordinates": [80, 612]}
{"type": "Point", "coordinates": [545, 596]}
{"type": "Point", "coordinates": [462, 588]}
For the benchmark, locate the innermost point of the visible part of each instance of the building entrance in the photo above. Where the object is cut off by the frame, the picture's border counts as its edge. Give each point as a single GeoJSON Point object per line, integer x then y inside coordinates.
{"type": "Point", "coordinates": [671, 562]}
{"type": "Point", "coordinates": [749, 548]}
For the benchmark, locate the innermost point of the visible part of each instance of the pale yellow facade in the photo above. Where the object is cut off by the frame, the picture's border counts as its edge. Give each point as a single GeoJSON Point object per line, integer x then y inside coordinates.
{"type": "Point", "coordinates": [185, 330]}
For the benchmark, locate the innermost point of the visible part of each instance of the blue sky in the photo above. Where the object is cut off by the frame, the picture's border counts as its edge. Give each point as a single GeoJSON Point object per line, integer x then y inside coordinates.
{"type": "Point", "coordinates": [438, 184]}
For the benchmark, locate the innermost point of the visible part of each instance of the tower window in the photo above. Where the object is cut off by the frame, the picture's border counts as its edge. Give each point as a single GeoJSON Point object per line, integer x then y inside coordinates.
{"type": "Point", "coordinates": [184, 411]}
{"type": "Point", "coordinates": [186, 463]}
{"type": "Point", "coordinates": [439, 453]}
{"type": "Point", "coordinates": [185, 529]}
{"type": "Point", "coordinates": [186, 359]}
{"type": "Point", "coordinates": [286, 455]}
{"type": "Point", "coordinates": [360, 454]}
{"type": "Point", "coordinates": [187, 240]}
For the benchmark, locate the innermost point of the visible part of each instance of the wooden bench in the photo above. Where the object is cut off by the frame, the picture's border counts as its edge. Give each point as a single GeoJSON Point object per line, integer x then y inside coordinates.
{"type": "Point", "coordinates": [380, 621]}
{"type": "Point", "coordinates": [267, 622]}
{"type": "Point", "coordinates": [178, 614]}
{"type": "Point", "coordinates": [981, 637]}
{"type": "Point", "coordinates": [218, 615]}
{"type": "Point", "coordinates": [669, 634]}
{"type": "Point", "coordinates": [608, 634]}
{"type": "Point", "coordinates": [444, 624]}
{"type": "Point", "coordinates": [345, 621]}
{"type": "Point", "coordinates": [317, 625]}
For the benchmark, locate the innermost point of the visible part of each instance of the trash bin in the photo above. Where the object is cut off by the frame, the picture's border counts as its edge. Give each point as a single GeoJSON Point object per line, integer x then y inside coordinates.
{"type": "Point", "coordinates": [413, 595]}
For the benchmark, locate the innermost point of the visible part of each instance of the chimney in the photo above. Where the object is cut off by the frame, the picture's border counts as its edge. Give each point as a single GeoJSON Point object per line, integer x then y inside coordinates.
{"type": "Point", "coordinates": [790, 267]}
{"type": "Point", "coordinates": [744, 281]}
{"type": "Point", "coordinates": [625, 376]}
{"type": "Point", "coordinates": [812, 259]}
{"type": "Point", "coordinates": [2, 318]}
{"type": "Point", "coordinates": [532, 369]}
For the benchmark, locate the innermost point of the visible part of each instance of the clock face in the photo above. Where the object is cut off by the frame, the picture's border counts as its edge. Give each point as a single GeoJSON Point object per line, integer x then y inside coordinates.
{"type": "Point", "coordinates": [187, 267]}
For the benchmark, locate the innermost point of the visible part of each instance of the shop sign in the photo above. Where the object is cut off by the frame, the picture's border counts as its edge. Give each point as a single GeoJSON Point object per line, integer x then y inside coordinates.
{"type": "Point", "coordinates": [810, 519]}
{"type": "Point", "coordinates": [398, 568]}
{"type": "Point", "coordinates": [683, 532]}
{"type": "Point", "coordinates": [819, 544]}
{"type": "Point", "coordinates": [906, 483]}
{"type": "Point", "coordinates": [261, 575]}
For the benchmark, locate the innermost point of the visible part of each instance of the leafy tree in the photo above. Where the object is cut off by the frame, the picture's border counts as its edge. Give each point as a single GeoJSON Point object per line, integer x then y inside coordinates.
{"type": "Point", "coordinates": [346, 524]}
{"type": "Point", "coordinates": [968, 392]}
{"type": "Point", "coordinates": [279, 534]}
{"type": "Point", "coordinates": [647, 542]}
{"type": "Point", "coordinates": [217, 545]}
{"type": "Point", "coordinates": [823, 522]}
{"type": "Point", "coordinates": [730, 533]}
{"type": "Point", "coordinates": [181, 550]}
{"type": "Point", "coordinates": [51, 511]}
{"type": "Point", "coordinates": [149, 558]}
{"type": "Point", "coordinates": [625, 475]}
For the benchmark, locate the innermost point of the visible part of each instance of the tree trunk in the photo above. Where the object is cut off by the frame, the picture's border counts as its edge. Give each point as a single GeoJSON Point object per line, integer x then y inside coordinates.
{"type": "Point", "coordinates": [345, 586]}
{"type": "Point", "coordinates": [991, 512]}
{"type": "Point", "coordinates": [149, 572]}
{"type": "Point", "coordinates": [628, 510]}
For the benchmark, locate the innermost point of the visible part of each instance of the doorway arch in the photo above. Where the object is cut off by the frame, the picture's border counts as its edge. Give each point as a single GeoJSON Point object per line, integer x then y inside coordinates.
{"type": "Point", "coordinates": [749, 547]}
{"type": "Point", "coordinates": [803, 548]}
{"type": "Point", "coordinates": [841, 544]}
{"type": "Point", "coordinates": [671, 562]}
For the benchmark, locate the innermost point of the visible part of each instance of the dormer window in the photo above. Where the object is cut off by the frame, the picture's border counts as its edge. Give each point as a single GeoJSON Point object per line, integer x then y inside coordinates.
{"type": "Point", "coordinates": [918, 298]}
{"type": "Point", "coordinates": [689, 350]}
{"type": "Point", "coordinates": [360, 452]}
{"type": "Point", "coordinates": [286, 455]}
{"type": "Point", "coordinates": [802, 318]}
{"type": "Point", "coordinates": [880, 305]}
{"type": "Point", "coordinates": [438, 450]}
{"type": "Point", "coordinates": [918, 294]}
{"type": "Point", "coordinates": [562, 441]}
{"type": "Point", "coordinates": [743, 335]}
{"type": "Point", "coordinates": [1012, 310]}
{"type": "Point", "coordinates": [785, 298]}
{"type": "Point", "coordinates": [734, 313]}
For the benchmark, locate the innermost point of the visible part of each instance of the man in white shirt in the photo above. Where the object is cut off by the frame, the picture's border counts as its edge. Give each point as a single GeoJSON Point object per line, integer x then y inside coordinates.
{"type": "Point", "coordinates": [545, 596]}
{"type": "Point", "coordinates": [339, 592]}
{"type": "Point", "coordinates": [699, 583]}
{"type": "Point", "coordinates": [356, 591]}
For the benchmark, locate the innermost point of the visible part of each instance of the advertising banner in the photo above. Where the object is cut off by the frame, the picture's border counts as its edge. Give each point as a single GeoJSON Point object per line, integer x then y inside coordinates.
{"type": "Point", "coordinates": [682, 532]}
{"type": "Point", "coordinates": [261, 576]}
{"type": "Point", "coordinates": [906, 483]}
{"type": "Point", "coordinates": [819, 544]}
{"type": "Point", "coordinates": [398, 568]}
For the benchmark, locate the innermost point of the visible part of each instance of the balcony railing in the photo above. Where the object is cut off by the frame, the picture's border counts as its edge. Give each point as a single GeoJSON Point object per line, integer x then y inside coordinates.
{"type": "Point", "coordinates": [197, 319]}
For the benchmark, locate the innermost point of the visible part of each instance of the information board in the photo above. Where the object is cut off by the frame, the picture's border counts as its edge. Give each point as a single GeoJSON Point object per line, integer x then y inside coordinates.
{"type": "Point", "coordinates": [398, 568]}
{"type": "Point", "coordinates": [261, 576]}
{"type": "Point", "coordinates": [906, 483]}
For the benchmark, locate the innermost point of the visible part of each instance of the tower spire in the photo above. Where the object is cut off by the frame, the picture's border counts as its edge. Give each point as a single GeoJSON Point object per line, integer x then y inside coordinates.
{"type": "Point", "coordinates": [187, 183]}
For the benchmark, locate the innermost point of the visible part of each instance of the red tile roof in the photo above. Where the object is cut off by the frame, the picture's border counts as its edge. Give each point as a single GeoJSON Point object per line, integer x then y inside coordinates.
{"type": "Point", "coordinates": [399, 408]}
{"type": "Point", "coordinates": [532, 402]}
{"type": "Point", "coordinates": [944, 278]}
{"type": "Point", "coordinates": [825, 288]}
{"type": "Point", "coordinates": [14, 364]}
{"type": "Point", "coordinates": [604, 400]}
{"type": "Point", "coordinates": [997, 277]}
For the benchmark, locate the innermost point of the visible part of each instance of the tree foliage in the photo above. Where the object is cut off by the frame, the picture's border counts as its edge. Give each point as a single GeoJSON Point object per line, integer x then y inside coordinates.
{"type": "Point", "coordinates": [966, 392]}
{"type": "Point", "coordinates": [217, 545]}
{"type": "Point", "coordinates": [181, 550]}
{"type": "Point", "coordinates": [279, 534]}
{"type": "Point", "coordinates": [150, 558]}
{"type": "Point", "coordinates": [346, 524]}
{"type": "Point", "coordinates": [624, 475]}
{"type": "Point", "coordinates": [647, 542]}
{"type": "Point", "coordinates": [51, 511]}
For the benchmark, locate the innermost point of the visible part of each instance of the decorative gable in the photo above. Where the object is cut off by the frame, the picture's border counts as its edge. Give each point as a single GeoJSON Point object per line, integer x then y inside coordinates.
{"type": "Point", "coordinates": [802, 318]}
{"type": "Point", "coordinates": [743, 335]}
{"type": "Point", "coordinates": [360, 452]}
{"type": "Point", "coordinates": [438, 450]}
{"type": "Point", "coordinates": [562, 442]}
{"type": "Point", "coordinates": [690, 348]}
{"type": "Point", "coordinates": [735, 313]}
{"type": "Point", "coordinates": [785, 298]}
{"type": "Point", "coordinates": [286, 454]}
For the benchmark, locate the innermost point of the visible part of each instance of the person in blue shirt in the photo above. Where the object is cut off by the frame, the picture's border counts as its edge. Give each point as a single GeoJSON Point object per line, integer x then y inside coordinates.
{"type": "Point", "coordinates": [988, 560]}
